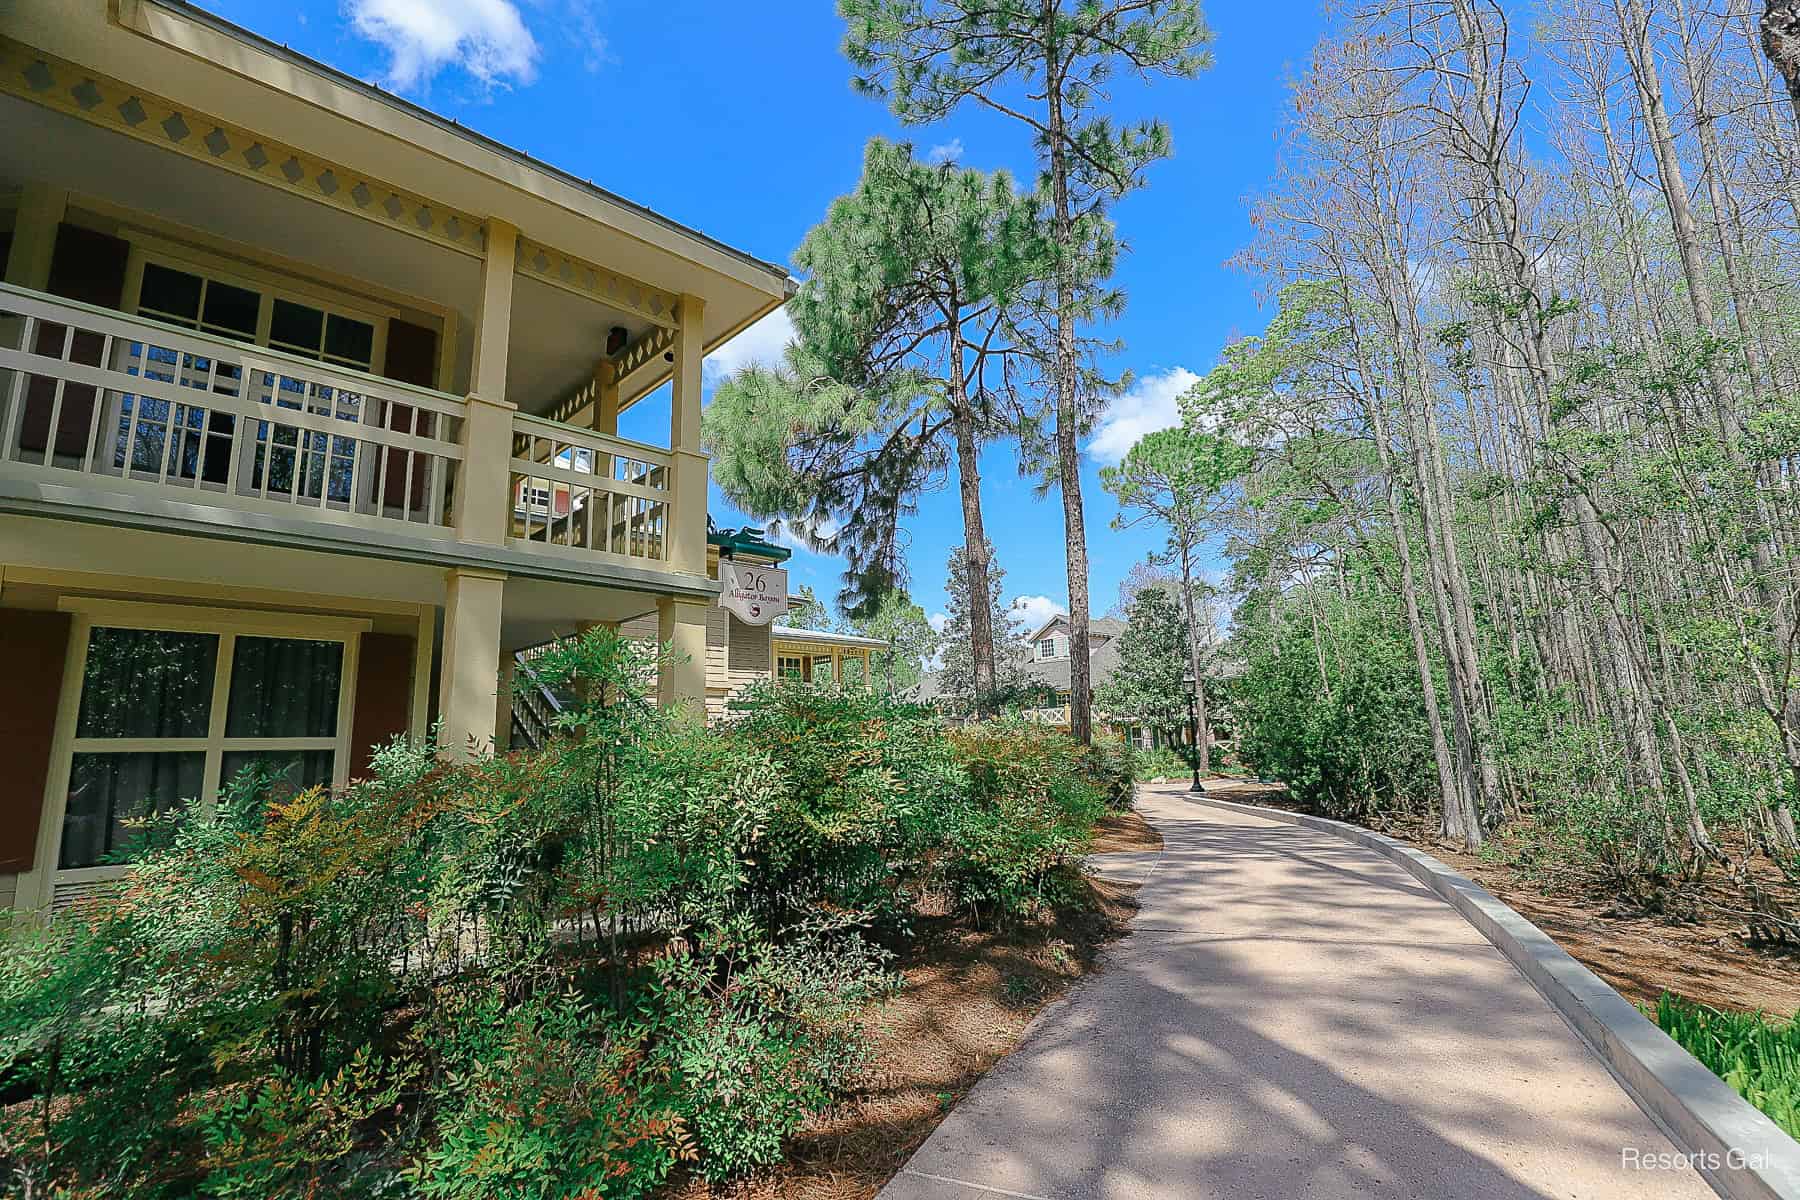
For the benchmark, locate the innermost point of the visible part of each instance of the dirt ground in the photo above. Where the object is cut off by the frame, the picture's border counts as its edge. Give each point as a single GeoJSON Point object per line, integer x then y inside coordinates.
{"type": "Point", "coordinates": [968, 998]}
{"type": "Point", "coordinates": [1703, 956]}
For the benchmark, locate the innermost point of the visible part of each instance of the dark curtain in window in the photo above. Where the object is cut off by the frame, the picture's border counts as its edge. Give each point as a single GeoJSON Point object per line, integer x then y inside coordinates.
{"type": "Point", "coordinates": [147, 683]}
{"type": "Point", "coordinates": [106, 790]}
{"type": "Point", "coordinates": [288, 771]}
{"type": "Point", "coordinates": [284, 687]}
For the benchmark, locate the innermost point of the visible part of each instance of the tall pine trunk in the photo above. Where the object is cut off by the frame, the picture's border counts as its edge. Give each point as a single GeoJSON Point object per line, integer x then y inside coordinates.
{"type": "Point", "coordinates": [975, 542]}
{"type": "Point", "coordinates": [1066, 378]}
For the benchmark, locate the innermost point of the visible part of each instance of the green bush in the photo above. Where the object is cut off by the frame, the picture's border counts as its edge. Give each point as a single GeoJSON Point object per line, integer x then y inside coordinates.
{"type": "Point", "coordinates": [1112, 765]}
{"type": "Point", "coordinates": [1162, 763]}
{"type": "Point", "coordinates": [1024, 820]}
{"type": "Point", "coordinates": [1758, 1057]}
{"type": "Point", "coordinates": [547, 1099]}
{"type": "Point", "coordinates": [566, 972]}
{"type": "Point", "coordinates": [1347, 735]}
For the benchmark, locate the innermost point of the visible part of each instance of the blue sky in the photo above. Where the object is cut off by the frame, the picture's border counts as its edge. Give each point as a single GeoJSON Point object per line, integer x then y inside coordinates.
{"type": "Point", "coordinates": [738, 119]}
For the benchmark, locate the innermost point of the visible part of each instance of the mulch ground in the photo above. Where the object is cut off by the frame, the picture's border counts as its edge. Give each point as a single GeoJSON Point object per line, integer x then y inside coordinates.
{"type": "Point", "coordinates": [1125, 831]}
{"type": "Point", "coordinates": [968, 997]}
{"type": "Point", "coordinates": [1690, 944]}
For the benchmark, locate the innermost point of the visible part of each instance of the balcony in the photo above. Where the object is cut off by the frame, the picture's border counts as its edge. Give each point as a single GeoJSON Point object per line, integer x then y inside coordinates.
{"type": "Point", "coordinates": [116, 412]}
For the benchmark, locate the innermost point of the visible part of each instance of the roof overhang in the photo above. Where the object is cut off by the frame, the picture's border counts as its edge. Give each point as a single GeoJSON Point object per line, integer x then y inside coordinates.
{"type": "Point", "coordinates": [196, 60]}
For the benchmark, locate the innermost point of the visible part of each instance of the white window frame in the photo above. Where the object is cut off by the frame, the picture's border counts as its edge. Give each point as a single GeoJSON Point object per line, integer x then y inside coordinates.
{"type": "Point", "coordinates": [37, 887]}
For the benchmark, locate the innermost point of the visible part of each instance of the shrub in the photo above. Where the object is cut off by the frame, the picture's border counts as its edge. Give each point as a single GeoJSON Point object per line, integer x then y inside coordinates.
{"type": "Point", "coordinates": [545, 1100]}
{"type": "Point", "coordinates": [564, 972]}
{"type": "Point", "coordinates": [1161, 763]}
{"type": "Point", "coordinates": [1112, 764]}
{"type": "Point", "coordinates": [756, 1052]}
{"type": "Point", "coordinates": [1025, 819]}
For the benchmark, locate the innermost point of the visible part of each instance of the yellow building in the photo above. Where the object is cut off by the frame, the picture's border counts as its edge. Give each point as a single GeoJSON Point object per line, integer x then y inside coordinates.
{"type": "Point", "coordinates": [309, 409]}
{"type": "Point", "coordinates": [739, 653]}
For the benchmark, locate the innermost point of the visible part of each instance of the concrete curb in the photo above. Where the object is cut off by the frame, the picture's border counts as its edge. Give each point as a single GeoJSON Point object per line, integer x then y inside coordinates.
{"type": "Point", "coordinates": [1738, 1150]}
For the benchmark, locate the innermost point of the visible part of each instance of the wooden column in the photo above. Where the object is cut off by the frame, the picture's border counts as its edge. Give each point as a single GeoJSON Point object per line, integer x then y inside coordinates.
{"type": "Point", "coordinates": [470, 678]}
{"type": "Point", "coordinates": [41, 210]}
{"type": "Point", "coordinates": [484, 501]}
{"type": "Point", "coordinates": [687, 466]}
{"type": "Point", "coordinates": [681, 632]}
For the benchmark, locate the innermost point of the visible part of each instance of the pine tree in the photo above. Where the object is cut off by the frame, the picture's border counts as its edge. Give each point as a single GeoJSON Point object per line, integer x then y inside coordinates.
{"type": "Point", "coordinates": [1147, 688]}
{"type": "Point", "coordinates": [904, 360]}
{"type": "Point", "coordinates": [1046, 65]}
{"type": "Point", "coordinates": [912, 642]}
{"type": "Point", "coordinates": [957, 678]}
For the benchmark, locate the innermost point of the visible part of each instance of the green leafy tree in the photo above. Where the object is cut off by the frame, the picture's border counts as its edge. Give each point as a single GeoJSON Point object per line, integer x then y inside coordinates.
{"type": "Point", "coordinates": [905, 359]}
{"type": "Point", "coordinates": [1147, 688]}
{"type": "Point", "coordinates": [912, 642]}
{"type": "Point", "coordinates": [1174, 478]}
{"type": "Point", "coordinates": [1045, 64]}
{"type": "Point", "coordinates": [807, 611]}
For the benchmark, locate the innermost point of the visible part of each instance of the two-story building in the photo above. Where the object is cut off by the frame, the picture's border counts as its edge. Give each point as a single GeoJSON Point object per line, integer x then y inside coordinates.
{"type": "Point", "coordinates": [309, 413]}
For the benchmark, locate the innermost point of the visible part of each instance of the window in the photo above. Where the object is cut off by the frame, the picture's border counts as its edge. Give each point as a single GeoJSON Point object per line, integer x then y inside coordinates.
{"type": "Point", "coordinates": [790, 666]}
{"type": "Point", "coordinates": [296, 463]}
{"type": "Point", "coordinates": [196, 300]}
{"type": "Point", "coordinates": [314, 333]}
{"type": "Point", "coordinates": [169, 712]}
{"type": "Point", "coordinates": [1048, 649]}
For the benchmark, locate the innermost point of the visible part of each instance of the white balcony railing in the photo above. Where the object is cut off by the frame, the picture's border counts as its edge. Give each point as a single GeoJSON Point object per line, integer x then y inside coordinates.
{"type": "Point", "coordinates": [583, 493]}
{"type": "Point", "coordinates": [87, 394]}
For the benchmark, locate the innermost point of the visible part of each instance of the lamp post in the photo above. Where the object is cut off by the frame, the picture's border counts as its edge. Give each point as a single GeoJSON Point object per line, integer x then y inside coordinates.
{"type": "Point", "coordinates": [1191, 683]}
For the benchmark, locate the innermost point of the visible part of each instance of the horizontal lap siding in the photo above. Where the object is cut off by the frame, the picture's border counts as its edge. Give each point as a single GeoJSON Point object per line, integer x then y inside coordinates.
{"type": "Point", "coordinates": [736, 654]}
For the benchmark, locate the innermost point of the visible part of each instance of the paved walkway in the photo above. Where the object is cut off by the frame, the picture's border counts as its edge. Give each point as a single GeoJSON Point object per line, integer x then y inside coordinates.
{"type": "Point", "coordinates": [1293, 1018]}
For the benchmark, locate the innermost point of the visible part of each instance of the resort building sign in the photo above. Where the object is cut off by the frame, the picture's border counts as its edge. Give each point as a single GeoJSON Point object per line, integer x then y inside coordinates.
{"type": "Point", "coordinates": [756, 595]}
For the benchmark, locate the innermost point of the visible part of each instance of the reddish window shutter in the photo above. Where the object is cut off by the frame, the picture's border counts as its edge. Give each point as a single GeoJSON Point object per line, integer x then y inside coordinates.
{"type": "Point", "coordinates": [411, 358]}
{"type": "Point", "coordinates": [89, 267]}
{"type": "Point", "coordinates": [383, 703]}
{"type": "Point", "coordinates": [34, 646]}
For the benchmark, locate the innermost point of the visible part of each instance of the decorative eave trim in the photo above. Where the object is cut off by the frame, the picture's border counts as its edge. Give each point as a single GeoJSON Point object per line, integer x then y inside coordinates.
{"type": "Point", "coordinates": [593, 282]}
{"type": "Point", "coordinates": [56, 84]}
{"type": "Point", "coordinates": [65, 87]}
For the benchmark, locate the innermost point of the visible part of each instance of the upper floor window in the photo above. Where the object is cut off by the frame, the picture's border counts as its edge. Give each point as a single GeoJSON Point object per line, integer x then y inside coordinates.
{"type": "Point", "coordinates": [1050, 647]}
{"type": "Point", "coordinates": [200, 301]}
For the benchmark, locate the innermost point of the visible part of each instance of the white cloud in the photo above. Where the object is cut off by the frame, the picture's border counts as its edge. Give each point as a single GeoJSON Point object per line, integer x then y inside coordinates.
{"type": "Point", "coordinates": [581, 28]}
{"type": "Point", "coordinates": [949, 151]}
{"type": "Point", "coordinates": [1147, 405]}
{"type": "Point", "coordinates": [939, 621]}
{"type": "Point", "coordinates": [1030, 612]}
{"type": "Point", "coordinates": [486, 38]}
{"type": "Point", "coordinates": [760, 344]}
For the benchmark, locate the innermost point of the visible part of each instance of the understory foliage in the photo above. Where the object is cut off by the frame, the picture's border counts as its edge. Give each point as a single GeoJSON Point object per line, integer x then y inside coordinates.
{"type": "Point", "coordinates": [640, 951]}
{"type": "Point", "coordinates": [1756, 1055]}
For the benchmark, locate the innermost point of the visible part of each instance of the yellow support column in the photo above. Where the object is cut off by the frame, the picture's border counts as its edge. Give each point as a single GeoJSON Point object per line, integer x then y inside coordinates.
{"type": "Point", "coordinates": [41, 209]}
{"type": "Point", "coordinates": [503, 703]}
{"type": "Point", "coordinates": [484, 493]}
{"type": "Point", "coordinates": [606, 398]}
{"type": "Point", "coordinates": [469, 681]}
{"type": "Point", "coordinates": [687, 466]}
{"type": "Point", "coordinates": [681, 677]}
